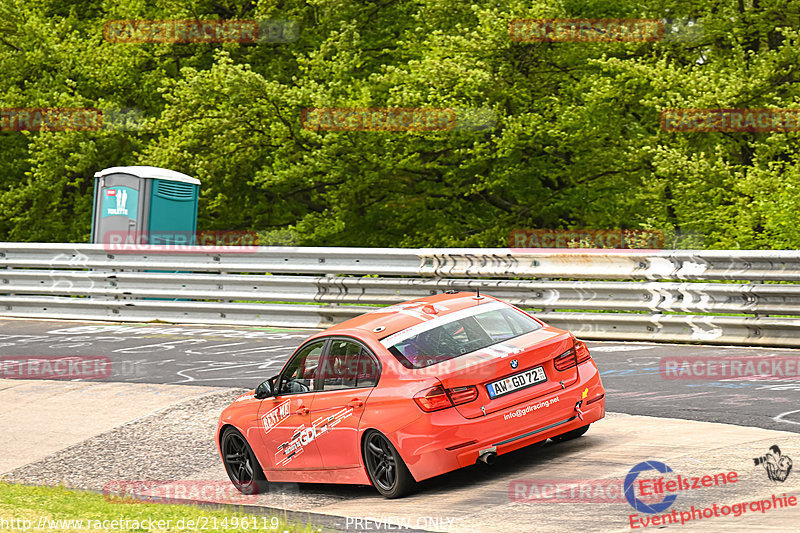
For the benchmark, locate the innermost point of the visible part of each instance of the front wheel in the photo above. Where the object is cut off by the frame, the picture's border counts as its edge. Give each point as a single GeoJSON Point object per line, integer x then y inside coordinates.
{"type": "Point", "coordinates": [569, 435]}
{"type": "Point", "coordinates": [385, 467]}
{"type": "Point", "coordinates": [241, 464]}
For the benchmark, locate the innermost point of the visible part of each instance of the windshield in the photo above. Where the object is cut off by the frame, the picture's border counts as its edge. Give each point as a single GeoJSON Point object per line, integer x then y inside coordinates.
{"type": "Point", "coordinates": [462, 336]}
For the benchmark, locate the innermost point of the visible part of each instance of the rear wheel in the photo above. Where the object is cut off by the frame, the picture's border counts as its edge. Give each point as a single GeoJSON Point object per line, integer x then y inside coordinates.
{"type": "Point", "coordinates": [569, 435]}
{"type": "Point", "coordinates": [241, 464]}
{"type": "Point", "coordinates": [385, 467]}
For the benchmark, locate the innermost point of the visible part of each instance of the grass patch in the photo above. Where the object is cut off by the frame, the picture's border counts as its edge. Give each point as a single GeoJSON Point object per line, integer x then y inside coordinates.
{"type": "Point", "coordinates": [25, 508]}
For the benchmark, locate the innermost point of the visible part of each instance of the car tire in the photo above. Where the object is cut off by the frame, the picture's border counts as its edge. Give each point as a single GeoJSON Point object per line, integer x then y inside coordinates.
{"type": "Point", "coordinates": [386, 469]}
{"type": "Point", "coordinates": [241, 464]}
{"type": "Point", "coordinates": [569, 435]}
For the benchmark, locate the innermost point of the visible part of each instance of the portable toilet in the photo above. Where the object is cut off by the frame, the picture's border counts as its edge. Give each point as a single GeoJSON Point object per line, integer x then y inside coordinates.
{"type": "Point", "coordinates": [144, 205]}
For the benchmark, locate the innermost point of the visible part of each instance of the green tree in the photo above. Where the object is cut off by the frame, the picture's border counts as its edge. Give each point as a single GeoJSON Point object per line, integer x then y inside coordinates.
{"type": "Point", "coordinates": [573, 141]}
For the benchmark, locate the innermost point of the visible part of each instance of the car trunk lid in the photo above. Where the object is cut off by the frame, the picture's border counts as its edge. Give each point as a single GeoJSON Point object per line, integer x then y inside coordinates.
{"type": "Point", "coordinates": [506, 374]}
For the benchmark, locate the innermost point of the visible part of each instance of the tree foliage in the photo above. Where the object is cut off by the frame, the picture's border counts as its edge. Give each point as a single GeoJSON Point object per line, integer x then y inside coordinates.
{"type": "Point", "coordinates": [574, 142]}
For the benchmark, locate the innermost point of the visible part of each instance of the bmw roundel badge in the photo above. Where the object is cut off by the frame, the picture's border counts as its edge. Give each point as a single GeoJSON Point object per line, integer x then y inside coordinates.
{"type": "Point", "coordinates": [514, 363]}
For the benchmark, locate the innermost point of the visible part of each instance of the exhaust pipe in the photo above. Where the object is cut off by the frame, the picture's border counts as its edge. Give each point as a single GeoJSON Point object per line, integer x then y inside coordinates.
{"type": "Point", "coordinates": [488, 457]}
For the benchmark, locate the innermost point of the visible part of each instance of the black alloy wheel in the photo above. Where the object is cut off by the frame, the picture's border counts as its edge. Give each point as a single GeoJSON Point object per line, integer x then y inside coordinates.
{"type": "Point", "coordinates": [385, 467]}
{"type": "Point", "coordinates": [241, 464]}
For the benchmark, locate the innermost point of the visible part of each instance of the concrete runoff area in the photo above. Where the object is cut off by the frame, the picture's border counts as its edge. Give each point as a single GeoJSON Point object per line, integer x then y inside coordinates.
{"type": "Point", "coordinates": [99, 433]}
{"type": "Point", "coordinates": [41, 417]}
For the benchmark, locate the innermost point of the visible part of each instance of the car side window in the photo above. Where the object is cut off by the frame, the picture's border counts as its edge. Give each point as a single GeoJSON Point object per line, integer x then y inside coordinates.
{"type": "Point", "coordinates": [349, 366]}
{"type": "Point", "coordinates": [302, 371]}
{"type": "Point", "coordinates": [368, 370]}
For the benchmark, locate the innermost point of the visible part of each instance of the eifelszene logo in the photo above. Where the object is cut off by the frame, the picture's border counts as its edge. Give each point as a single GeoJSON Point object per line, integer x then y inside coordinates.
{"type": "Point", "coordinates": [630, 494]}
{"type": "Point", "coordinates": [669, 487]}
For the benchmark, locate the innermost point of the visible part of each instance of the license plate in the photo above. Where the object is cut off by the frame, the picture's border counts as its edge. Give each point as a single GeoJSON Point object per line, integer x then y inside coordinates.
{"type": "Point", "coordinates": [523, 380]}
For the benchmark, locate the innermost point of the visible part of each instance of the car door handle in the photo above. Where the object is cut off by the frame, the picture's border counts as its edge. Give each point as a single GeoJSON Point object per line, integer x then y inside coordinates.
{"type": "Point", "coordinates": [302, 410]}
{"type": "Point", "coordinates": [355, 402]}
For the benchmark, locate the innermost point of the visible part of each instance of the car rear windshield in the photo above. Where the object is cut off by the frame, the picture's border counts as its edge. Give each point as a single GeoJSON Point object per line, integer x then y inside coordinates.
{"type": "Point", "coordinates": [462, 336]}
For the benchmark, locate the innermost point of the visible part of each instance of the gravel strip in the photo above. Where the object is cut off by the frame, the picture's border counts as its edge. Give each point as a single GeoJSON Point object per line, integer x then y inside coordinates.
{"type": "Point", "coordinates": [174, 444]}
{"type": "Point", "coordinates": [169, 444]}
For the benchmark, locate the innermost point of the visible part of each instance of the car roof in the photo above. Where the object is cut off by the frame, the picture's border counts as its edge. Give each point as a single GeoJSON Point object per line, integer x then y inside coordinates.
{"type": "Point", "coordinates": [394, 318]}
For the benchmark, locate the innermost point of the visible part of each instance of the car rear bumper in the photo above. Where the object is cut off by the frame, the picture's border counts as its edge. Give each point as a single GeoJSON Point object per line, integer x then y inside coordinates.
{"type": "Point", "coordinates": [446, 441]}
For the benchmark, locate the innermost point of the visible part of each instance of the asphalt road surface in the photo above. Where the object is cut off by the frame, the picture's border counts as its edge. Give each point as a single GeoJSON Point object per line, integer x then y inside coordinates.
{"type": "Point", "coordinates": [244, 356]}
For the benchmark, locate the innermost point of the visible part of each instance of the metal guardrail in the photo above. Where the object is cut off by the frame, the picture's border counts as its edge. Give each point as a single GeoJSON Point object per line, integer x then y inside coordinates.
{"type": "Point", "coordinates": [598, 294]}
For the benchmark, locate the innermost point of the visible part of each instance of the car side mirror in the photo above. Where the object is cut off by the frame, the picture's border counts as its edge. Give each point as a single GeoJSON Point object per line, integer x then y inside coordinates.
{"type": "Point", "coordinates": [265, 389]}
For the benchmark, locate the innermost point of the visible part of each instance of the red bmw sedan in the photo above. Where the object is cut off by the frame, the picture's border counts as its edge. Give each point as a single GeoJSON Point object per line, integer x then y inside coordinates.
{"type": "Point", "coordinates": [409, 392]}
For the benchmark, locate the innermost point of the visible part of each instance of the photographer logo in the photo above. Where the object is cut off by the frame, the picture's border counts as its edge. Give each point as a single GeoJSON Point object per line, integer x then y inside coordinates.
{"type": "Point", "coordinates": [778, 466]}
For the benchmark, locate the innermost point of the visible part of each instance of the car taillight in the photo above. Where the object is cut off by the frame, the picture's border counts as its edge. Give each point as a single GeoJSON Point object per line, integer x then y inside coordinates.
{"type": "Point", "coordinates": [583, 351]}
{"type": "Point", "coordinates": [572, 357]}
{"type": "Point", "coordinates": [565, 360]}
{"type": "Point", "coordinates": [461, 395]}
{"type": "Point", "coordinates": [438, 398]}
{"type": "Point", "coordinates": [433, 399]}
